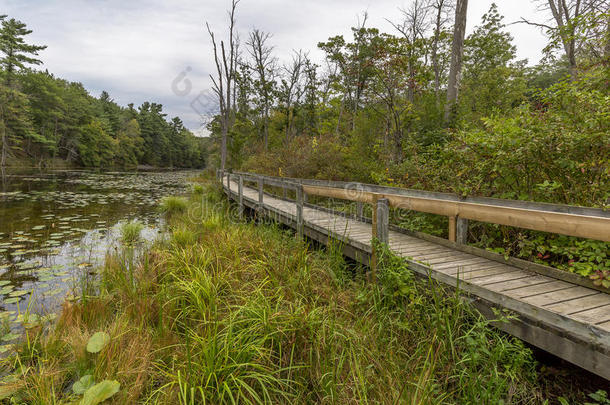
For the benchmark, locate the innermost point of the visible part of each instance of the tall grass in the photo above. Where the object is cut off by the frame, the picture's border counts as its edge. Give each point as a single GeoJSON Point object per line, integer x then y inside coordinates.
{"type": "Point", "coordinates": [228, 312]}
{"type": "Point", "coordinates": [173, 205]}
{"type": "Point", "coordinates": [130, 232]}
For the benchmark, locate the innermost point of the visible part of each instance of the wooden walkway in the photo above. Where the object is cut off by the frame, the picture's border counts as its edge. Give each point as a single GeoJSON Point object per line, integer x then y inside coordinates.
{"type": "Point", "coordinates": [561, 317]}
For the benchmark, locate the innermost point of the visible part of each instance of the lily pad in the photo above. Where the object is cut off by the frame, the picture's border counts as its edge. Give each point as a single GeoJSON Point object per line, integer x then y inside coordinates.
{"type": "Point", "coordinates": [97, 342]}
{"type": "Point", "coordinates": [10, 336]}
{"type": "Point", "coordinates": [12, 300]}
{"type": "Point", "coordinates": [100, 392]}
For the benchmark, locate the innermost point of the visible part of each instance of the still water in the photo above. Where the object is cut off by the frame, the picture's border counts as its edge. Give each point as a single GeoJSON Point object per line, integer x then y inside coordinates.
{"type": "Point", "coordinates": [56, 225]}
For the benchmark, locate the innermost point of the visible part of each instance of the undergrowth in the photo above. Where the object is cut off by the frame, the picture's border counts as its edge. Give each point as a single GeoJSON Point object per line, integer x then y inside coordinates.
{"type": "Point", "coordinates": [227, 311]}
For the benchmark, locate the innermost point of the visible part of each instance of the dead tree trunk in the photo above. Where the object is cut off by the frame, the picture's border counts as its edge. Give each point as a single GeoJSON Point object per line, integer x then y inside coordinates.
{"type": "Point", "coordinates": [222, 85]}
{"type": "Point", "coordinates": [457, 53]}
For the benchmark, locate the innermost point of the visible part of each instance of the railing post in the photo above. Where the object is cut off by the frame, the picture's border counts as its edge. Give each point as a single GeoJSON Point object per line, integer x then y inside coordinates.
{"type": "Point", "coordinates": [229, 184]}
{"type": "Point", "coordinates": [462, 231]}
{"type": "Point", "coordinates": [240, 192]}
{"type": "Point", "coordinates": [260, 193]}
{"type": "Point", "coordinates": [284, 193]}
{"type": "Point", "coordinates": [359, 210]}
{"type": "Point", "coordinates": [373, 262]}
{"type": "Point", "coordinates": [383, 220]}
{"type": "Point", "coordinates": [452, 228]}
{"type": "Point", "coordinates": [299, 205]}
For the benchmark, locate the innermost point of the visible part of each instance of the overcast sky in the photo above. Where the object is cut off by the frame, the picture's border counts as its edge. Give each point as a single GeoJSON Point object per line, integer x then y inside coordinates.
{"type": "Point", "coordinates": [135, 49]}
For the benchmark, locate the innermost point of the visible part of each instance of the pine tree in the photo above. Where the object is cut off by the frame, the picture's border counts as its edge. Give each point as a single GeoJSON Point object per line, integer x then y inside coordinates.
{"type": "Point", "coordinates": [17, 53]}
{"type": "Point", "coordinates": [15, 124]}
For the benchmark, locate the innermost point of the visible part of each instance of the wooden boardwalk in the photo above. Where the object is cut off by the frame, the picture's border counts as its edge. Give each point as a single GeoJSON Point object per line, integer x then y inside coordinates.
{"type": "Point", "coordinates": [569, 320]}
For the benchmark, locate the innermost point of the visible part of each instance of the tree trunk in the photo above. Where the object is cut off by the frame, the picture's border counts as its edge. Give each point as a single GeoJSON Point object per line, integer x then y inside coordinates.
{"type": "Point", "coordinates": [457, 53]}
{"type": "Point", "coordinates": [3, 139]}
{"type": "Point", "coordinates": [435, 63]}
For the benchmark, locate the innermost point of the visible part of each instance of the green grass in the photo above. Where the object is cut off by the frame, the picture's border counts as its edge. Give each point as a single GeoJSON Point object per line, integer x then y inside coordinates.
{"type": "Point", "coordinates": [173, 205]}
{"type": "Point", "coordinates": [198, 189]}
{"type": "Point", "coordinates": [130, 232]}
{"type": "Point", "coordinates": [233, 312]}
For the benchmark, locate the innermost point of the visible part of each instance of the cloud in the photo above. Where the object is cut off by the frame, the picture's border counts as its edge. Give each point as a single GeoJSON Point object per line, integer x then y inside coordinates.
{"type": "Point", "coordinates": [135, 49]}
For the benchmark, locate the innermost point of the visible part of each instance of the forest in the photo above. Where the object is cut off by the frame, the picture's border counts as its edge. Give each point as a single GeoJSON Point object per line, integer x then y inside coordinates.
{"type": "Point", "coordinates": [429, 107]}
{"type": "Point", "coordinates": [45, 120]}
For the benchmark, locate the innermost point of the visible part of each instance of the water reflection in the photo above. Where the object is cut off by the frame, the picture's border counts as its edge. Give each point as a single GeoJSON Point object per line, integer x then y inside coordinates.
{"type": "Point", "coordinates": [57, 226]}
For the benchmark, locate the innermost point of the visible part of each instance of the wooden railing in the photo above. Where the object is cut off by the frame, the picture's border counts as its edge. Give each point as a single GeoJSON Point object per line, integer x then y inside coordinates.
{"type": "Point", "coordinates": [583, 222]}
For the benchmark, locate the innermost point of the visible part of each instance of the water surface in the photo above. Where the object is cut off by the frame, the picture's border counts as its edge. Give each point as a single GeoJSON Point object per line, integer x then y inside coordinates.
{"type": "Point", "coordinates": [55, 226]}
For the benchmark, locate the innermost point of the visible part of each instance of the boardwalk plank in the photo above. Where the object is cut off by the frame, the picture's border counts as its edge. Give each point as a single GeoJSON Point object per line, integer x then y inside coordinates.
{"type": "Point", "coordinates": [527, 291]}
{"type": "Point", "coordinates": [502, 278]}
{"type": "Point", "coordinates": [559, 296]}
{"type": "Point", "coordinates": [580, 304]}
{"type": "Point", "coordinates": [597, 315]}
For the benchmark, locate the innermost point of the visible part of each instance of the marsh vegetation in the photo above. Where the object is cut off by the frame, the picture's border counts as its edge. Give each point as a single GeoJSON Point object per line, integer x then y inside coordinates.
{"type": "Point", "coordinates": [229, 311]}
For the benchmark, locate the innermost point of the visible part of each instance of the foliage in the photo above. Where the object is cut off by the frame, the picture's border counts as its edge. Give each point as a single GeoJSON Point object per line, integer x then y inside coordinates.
{"type": "Point", "coordinates": [43, 118]}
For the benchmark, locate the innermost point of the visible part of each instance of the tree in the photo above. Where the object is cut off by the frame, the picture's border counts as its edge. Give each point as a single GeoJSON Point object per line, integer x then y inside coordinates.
{"type": "Point", "coordinates": [390, 79]}
{"type": "Point", "coordinates": [580, 27]}
{"type": "Point", "coordinates": [440, 8]}
{"type": "Point", "coordinates": [493, 82]}
{"type": "Point", "coordinates": [291, 90]}
{"type": "Point", "coordinates": [15, 124]}
{"type": "Point", "coordinates": [264, 84]}
{"type": "Point", "coordinates": [457, 53]}
{"type": "Point", "coordinates": [16, 52]}
{"type": "Point", "coordinates": [226, 66]}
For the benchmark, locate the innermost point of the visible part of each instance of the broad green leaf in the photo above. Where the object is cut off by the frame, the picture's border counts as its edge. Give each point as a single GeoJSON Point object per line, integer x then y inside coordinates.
{"type": "Point", "coordinates": [100, 392]}
{"type": "Point", "coordinates": [82, 385]}
{"type": "Point", "coordinates": [97, 342]}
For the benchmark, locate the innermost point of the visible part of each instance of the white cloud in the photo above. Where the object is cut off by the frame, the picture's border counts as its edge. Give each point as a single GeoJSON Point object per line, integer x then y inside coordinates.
{"type": "Point", "coordinates": [134, 49]}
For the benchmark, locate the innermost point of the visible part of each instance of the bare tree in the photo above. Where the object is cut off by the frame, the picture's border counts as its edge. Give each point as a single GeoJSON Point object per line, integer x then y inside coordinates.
{"type": "Point", "coordinates": [580, 26]}
{"type": "Point", "coordinates": [291, 89]}
{"type": "Point", "coordinates": [222, 84]}
{"type": "Point", "coordinates": [413, 27]}
{"type": "Point", "coordinates": [457, 53]}
{"type": "Point", "coordinates": [264, 66]}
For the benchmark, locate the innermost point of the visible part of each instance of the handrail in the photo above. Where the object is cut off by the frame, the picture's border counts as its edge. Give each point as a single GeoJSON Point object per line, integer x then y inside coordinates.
{"type": "Point", "coordinates": [584, 222]}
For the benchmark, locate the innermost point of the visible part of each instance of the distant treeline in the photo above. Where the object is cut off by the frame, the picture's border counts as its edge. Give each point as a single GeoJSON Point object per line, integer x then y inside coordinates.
{"type": "Point", "coordinates": [44, 118]}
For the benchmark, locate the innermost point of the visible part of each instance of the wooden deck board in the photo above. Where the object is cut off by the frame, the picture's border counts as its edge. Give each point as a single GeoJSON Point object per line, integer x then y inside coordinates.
{"type": "Point", "coordinates": [595, 316]}
{"type": "Point", "coordinates": [559, 296]}
{"type": "Point", "coordinates": [580, 304]}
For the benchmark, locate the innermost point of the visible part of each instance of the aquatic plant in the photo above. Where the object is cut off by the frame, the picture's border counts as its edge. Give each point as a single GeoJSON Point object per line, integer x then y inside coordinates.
{"type": "Point", "coordinates": [197, 189]}
{"type": "Point", "coordinates": [173, 205]}
{"type": "Point", "coordinates": [130, 232]}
